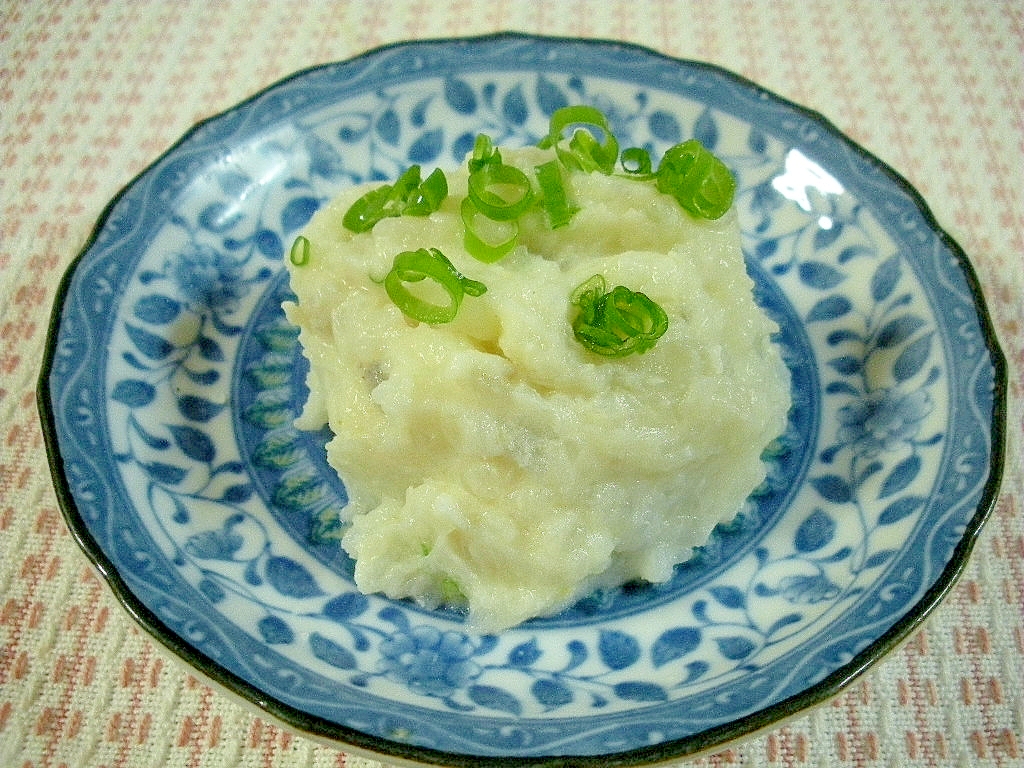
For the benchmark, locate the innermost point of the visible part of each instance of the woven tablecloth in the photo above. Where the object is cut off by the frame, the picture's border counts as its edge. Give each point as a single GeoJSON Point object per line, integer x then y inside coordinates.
{"type": "Point", "coordinates": [92, 91]}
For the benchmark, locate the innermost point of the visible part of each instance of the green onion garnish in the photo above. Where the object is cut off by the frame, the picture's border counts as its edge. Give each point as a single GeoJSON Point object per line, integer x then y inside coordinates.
{"type": "Point", "coordinates": [500, 192]}
{"type": "Point", "coordinates": [299, 253]}
{"type": "Point", "coordinates": [428, 195]}
{"type": "Point", "coordinates": [696, 178]}
{"type": "Point", "coordinates": [407, 196]}
{"type": "Point", "coordinates": [584, 152]}
{"type": "Point", "coordinates": [415, 266]}
{"type": "Point", "coordinates": [636, 162]}
{"type": "Point", "coordinates": [554, 200]}
{"type": "Point", "coordinates": [618, 322]}
{"type": "Point", "coordinates": [484, 238]}
{"type": "Point", "coordinates": [451, 593]}
{"type": "Point", "coordinates": [484, 152]}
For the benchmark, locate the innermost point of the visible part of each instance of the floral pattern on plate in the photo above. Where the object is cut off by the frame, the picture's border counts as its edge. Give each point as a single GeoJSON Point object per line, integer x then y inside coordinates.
{"type": "Point", "coordinates": [173, 379]}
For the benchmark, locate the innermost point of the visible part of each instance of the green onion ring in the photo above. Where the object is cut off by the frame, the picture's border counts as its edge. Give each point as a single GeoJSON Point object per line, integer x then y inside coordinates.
{"type": "Point", "coordinates": [484, 180]}
{"type": "Point", "coordinates": [414, 266]}
{"type": "Point", "coordinates": [553, 197]}
{"type": "Point", "coordinates": [484, 152]}
{"type": "Point", "coordinates": [699, 181]}
{"type": "Point", "coordinates": [481, 248]}
{"type": "Point", "coordinates": [427, 196]}
{"type": "Point", "coordinates": [617, 323]}
{"type": "Point", "coordinates": [299, 254]}
{"type": "Point", "coordinates": [636, 162]}
{"type": "Point", "coordinates": [407, 196]}
{"type": "Point", "coordinates": [584, 152]}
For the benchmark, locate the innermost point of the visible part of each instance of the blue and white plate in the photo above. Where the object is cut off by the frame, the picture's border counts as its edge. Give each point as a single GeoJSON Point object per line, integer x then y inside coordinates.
{"type": "Point", "coordinates": [171, 379]}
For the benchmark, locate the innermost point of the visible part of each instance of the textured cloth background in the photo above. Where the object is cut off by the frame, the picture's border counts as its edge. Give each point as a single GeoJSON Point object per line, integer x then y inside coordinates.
{"type": "Point", "coordinates": [92, 91]}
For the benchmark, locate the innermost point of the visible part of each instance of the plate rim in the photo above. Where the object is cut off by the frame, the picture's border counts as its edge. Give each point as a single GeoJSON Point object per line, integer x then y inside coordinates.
{"type": "Point", "coordinates": [717, 737]}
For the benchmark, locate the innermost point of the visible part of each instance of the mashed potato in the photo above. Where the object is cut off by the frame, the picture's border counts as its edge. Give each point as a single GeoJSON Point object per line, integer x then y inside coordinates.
{"type": "Point", "coordinates": [493, 461]}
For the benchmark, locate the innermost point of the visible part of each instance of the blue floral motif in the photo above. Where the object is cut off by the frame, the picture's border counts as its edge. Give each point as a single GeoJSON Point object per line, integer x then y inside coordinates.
{"type": "Point", "coordinates": [208, 279]}
{"type": "Point", "coordinates": [204, 482]}
{"type": "Point", "coordinates": [883, 420]}
{"type": "Point", "coordinates": [430, 661]}
{"type": "Point", "coordinates": [809, 589]}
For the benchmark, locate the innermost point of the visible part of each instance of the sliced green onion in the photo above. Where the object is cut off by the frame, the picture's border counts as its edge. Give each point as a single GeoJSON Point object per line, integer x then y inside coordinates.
{"type": "Point", "coordinates": [696, 178]}
{"type": "Point", "coordinates": [428, 195]}
{"type": "Point", "coordinates": [636, 161]}
{"type": "Point", "coordinates": [403, 189]}
{"type": "Point", "coordinates": [501, 192]}
{"type": "Point", "coordinates": [299, 254]}
{"type": "Point", "coordinates": [407, 196]}
{"type": "Point", "coordinates": [553, 197]}
{"type": "Point", "coordinates": [451, 593]}
{"type": "Point", "coordinates": [415, 266]}
{"type": "Point", "coordinates": [484, 152]}
{"type": "Point", "coordinates": [584, 152]}
{"type": "Point", "coordinates": [618, 322]}
{"type": "Point", "coordinates": [484, 238]}
{"type": "Point", "coordinates": [367, 210]}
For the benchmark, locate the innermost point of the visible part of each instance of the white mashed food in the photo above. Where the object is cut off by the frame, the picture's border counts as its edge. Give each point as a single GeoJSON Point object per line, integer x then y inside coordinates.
{"type": "Point", "coordinates": [494, 459]}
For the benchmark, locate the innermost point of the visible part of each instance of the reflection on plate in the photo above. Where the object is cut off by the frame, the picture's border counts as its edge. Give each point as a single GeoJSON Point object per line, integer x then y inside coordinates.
{"type": "Point", "coordinates": [172, 377]}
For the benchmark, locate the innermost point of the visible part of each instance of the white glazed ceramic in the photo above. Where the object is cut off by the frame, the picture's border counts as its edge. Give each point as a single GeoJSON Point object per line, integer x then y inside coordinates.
{"type": "Point", "coordinates": [172, 377]}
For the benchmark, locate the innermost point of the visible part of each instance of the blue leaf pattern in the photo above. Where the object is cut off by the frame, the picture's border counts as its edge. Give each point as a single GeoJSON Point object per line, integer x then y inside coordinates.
{"type": "Point", "coordinates": [346, 607]}
{"type": "Point", "coordinates": [901, 476]}
{"type": "Point", "coordinates": [735, 648]}
{"type": "Point", "coordinates": [275, 631]}
{"type": "Point", "coordinates": [194, 443]}
{"type": "Point", "coordinates": [829, 308]}
{"type": "Point", "coordinates": [640, 691]}
{"type": "Point", "coordinates": [198, 408]}
{"type": "Point", "coordinates": [705, 130]}
{"type": "Point", "coordinates": [331, 652]}
{"type": "Point", "coordinates": [885, 279]}
{"type": "Point", "coordinates": [459, 95]}
{"type": "Point", "coordinates": [150, 344]}
{"type": "Point", "coordinates": [912, 359]}
{"type": "Point", "coordinates": [815, 532]}
{"type": "Point", "coordinates": [674, 644]}
{"type": "Point", "coordinates": [290, 578]}
{"type": "Point", "coordinates": [617, 649]}
{"type": "Point", "coordinates": [157, 309]}
{"type": "Point", "coordinates": [492, 697]}
{"type": "Point", "coordinates": [388, 127]}
{"type": "Point", "coordinates": [664, 127]}
{"type": "Point", "coordinates": [133, 393]}
{"type": "Point", "coordinates": [833, 488]}
{"type": "Point", "coordinates": [297, 212]}
{"type": "Point", "coordinates": [550, 98]}
{"type": "Point", "coordinates": [818, 274]}
{"type": "Point", "coordinates": [552, 693]}
{"type": "Point", "coordinates": [427, 147]}
{"type": "Point", "coordinates": [513, 107]}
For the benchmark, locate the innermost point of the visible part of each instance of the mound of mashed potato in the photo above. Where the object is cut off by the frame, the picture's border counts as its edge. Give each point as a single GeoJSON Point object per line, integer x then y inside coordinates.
{"type": "Point", "coordinates": [493, 461]}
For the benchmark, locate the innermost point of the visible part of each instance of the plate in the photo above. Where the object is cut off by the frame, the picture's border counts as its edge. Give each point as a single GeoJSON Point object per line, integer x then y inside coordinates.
{"type": "Point", "coordinates": [171, 379]}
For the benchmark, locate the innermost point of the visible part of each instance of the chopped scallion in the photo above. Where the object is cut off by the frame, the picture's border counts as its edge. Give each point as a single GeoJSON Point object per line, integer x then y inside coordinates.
{"type": "Point", "coordinates": [407, 196]}
{"type": "Point", "coordinates": [484, 238]}
{"type": "Point", "coordinates": [428, 195]}
{"type": "Point", "coordinates": [616, 323]}
{"type": "Point", "coordinates": [415, 266]}
{"type": "Point", "coordinates": [484, 152]}
{"type": "Point", "coordinates": [500, 192]}
{"type": "Point", "coordinates": [701, 182]}
{"type": "Point", "coordinates": [584, 151]}
{"type": "Point", "coordinates": [299, 254]}
{"type": "Point", "coordinates": [554, 200]}
{"type": "Point", "coordinates": [636, 162]}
